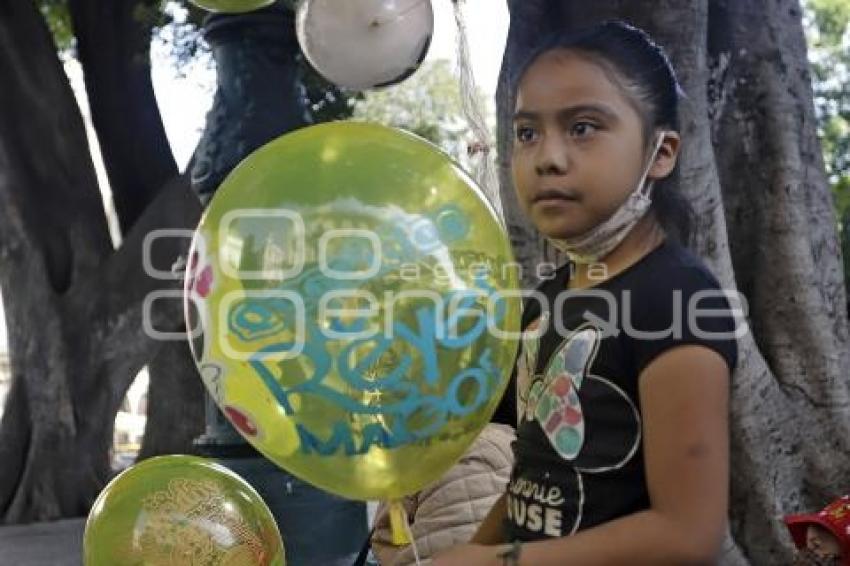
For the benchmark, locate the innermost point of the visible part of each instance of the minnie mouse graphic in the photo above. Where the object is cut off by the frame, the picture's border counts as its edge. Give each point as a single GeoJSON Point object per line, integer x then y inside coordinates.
{"type": "Point", "coordinates": [572, 407]}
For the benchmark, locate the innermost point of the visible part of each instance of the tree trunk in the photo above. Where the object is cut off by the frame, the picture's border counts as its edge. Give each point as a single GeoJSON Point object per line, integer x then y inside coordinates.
{"type": "Point", "coordinates": [44, 174]}
{"type": "Point", "coordinates": [793, 404]}
{"type": "Point", "coordinates": [175, 415]}
{"type": "Point", "coordinates": [138, 159]}
{"type": "Point", "coordinates": [113, 46]}
{"type": "Point", "coordinates": [74, 311]}
{"type": "Point", "coordinates": [70, 375]}
{"type": "Point", "coordinates": [743, 67]}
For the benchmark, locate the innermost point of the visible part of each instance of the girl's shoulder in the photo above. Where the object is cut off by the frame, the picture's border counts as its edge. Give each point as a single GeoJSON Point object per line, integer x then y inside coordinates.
{"type": "Point", "coordinates": [671, 267]}
{"type": "Point", "coordinates": [676, 299]}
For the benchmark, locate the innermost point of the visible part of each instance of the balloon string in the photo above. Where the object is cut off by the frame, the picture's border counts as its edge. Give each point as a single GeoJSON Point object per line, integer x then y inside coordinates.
{"type": "Point", "coordinates": [412, 541]}
{"type": "Point", "coordinates": [402, 534]}
{"type": "Point", "coordinates": [481, 152]}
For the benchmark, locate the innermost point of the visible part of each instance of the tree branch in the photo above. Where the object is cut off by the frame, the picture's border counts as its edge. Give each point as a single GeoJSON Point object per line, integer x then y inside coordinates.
{"type": "Point", "coordinates": [113, 43]}
{"type": "Point", "coordinates": [51, 183]}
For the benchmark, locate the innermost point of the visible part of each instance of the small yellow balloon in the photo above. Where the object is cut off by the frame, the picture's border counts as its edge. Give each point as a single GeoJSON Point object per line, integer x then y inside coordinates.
{"type": "Point", "coordinates": [355, 307]}
{"type": "Point", "coordinates": [181, 510]}
{"type": "Point", "coordinates": [232, 6]}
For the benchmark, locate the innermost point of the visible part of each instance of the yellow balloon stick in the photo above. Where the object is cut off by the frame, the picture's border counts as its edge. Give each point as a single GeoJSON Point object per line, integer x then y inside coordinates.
{"type": "Point", "coordinates": [398, 524]}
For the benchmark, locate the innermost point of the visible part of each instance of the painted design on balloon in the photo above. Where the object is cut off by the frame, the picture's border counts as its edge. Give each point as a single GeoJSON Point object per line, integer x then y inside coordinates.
{"type": "Point", "coordinates": [185, 524]}
{"type": "Point", "coordinates": [452, 224]}
{"type": "Point", "coordinates": [200, 280]}
{"type": "Point", "coordinates": [242, 421]}
{"type": "Point", "coordinates": [200, 275]}
{"type": "Point", "coordinates": [381, 365]}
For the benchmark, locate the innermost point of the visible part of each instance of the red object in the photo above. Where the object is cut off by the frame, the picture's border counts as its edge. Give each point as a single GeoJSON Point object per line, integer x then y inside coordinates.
{"type": "Point", "coordinates": [241, 421]}
{"type": "Point", "coordinates": [835, 518]}
{"type": "Point", "coordinates": [204, 282]}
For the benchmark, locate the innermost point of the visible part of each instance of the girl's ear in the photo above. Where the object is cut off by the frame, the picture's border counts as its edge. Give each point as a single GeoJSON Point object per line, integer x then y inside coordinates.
{"type": "Point", "coordinates": [667, 155]}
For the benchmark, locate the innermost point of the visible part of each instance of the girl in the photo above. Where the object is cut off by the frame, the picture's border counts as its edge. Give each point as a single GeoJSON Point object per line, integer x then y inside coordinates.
{"type": "Point", "coordinates": [622, 382]}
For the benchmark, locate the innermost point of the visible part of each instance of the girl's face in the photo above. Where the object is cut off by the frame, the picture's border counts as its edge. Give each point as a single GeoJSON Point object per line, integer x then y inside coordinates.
{"type": "Point", "coordinates": [579, 147]}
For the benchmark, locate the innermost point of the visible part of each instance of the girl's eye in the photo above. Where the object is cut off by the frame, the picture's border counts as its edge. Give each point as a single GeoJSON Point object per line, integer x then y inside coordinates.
{"type": "Point", "coordinates": [583, 129]}
{"type": "Point", "coordinates": [525, 134]}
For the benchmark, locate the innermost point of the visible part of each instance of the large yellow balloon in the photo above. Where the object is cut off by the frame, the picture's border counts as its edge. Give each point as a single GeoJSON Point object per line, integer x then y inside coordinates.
{"type": "Point", "coordinates": [356, 309]}
{"type": "Point", "coordinates": [232, 6]}
{"type": "Point", "coordinates": [180, 510]}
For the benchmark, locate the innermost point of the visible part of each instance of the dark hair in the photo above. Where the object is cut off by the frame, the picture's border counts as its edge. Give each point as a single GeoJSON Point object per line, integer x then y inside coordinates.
{"type": "Point", "coordinates": [637, 64]}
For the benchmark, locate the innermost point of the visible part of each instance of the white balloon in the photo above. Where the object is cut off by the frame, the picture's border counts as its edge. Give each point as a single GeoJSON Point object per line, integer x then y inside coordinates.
{"type": "Point", "coordinates": [362, 44]}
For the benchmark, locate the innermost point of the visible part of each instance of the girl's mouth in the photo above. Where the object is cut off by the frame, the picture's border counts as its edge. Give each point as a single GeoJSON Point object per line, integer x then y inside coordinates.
{"type": "Point", "coordinates": [553, 196]}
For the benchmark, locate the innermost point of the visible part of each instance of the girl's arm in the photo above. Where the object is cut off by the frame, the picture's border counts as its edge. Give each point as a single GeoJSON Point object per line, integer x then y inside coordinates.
{"type": "Point", "coordinates": [684, 401]}
{"type": "Point", "coordinates": [492, 529]}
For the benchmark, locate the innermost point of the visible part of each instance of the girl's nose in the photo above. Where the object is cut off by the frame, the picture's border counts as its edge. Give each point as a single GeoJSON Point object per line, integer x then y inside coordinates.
{"type": "Point", "coordinates": [552, 157]}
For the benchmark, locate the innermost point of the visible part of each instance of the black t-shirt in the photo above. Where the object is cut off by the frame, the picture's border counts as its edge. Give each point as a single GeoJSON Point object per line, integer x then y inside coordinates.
{"type": "Point", "coordinates": [579, 457]}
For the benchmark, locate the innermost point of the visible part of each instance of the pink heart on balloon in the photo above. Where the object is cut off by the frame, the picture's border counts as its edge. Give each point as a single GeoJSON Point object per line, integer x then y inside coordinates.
{"type": "Point", "coordinates": [204, 282]}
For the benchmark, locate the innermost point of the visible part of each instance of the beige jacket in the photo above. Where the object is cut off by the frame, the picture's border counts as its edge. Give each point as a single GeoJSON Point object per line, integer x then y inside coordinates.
{"type": "Point", "coordinates": [448, 512]}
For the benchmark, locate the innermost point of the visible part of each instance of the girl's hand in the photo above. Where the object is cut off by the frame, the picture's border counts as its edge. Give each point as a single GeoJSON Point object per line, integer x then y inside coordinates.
{"type": "Point", "coordinates": [469, 555]}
